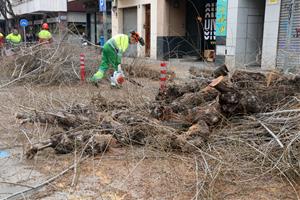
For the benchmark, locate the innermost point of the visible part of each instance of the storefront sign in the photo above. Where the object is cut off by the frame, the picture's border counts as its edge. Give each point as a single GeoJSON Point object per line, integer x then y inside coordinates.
{"type": "Point", "coordinates": [210, 22]}
{"type": "Point", "coordinates": [53, 20]}
{"type": "Point", "coordinates": [221, 24]}
{"type": "Point", "coordinates": [272, 1]}
{"type": "Point", "coordinates": [38, 22]}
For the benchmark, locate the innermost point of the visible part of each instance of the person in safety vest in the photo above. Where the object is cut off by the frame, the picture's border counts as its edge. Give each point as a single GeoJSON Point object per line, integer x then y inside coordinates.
{"type": "Point", "coordinates": [1, 40]}
{"type": "Point", "coordinates": [44, 35]}
{"type": "Point", "coordinates": [112, 53]}
{"type": "Point", "coordinates": [14, 38]}
{"type": "Point", "coordinates": [1, 43]}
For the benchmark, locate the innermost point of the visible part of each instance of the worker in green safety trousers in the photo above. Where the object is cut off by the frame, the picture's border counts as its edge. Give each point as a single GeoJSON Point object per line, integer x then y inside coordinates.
{"type": "Point", "coordinates": [14, 38]}
{"type": "Point", "coordinates": [112, 53]}
{"type": "Point", "coordinates": [44, 35]}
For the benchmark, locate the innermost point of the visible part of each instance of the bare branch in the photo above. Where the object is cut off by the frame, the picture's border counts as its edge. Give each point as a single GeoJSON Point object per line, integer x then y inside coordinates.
{"type": "Point", "coordinates": [6, 9]}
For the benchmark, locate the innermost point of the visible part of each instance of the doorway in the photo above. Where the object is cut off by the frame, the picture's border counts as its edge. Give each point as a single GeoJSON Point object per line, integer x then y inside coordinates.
{"type": "Point", "coordinates": [249, 34]}
{"type": "Point", "coordinates": [254, 40]}
{"type": "Point", "coordinates": [147, 27]}
{"type": "Point", "coordinates": [200, 27]}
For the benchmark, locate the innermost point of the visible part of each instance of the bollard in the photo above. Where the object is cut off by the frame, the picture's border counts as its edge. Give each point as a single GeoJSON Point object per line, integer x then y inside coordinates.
{"type": "Point", "coordinates": [82, 68]}
{"type": "Point", "coordinates": [163, 76]}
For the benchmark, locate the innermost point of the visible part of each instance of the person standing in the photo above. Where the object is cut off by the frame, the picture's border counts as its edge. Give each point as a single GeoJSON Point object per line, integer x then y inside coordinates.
{"type": "Point", "coordinates": [44, 35]}
{"type": "Point", "coordinates": [14, 38]}
{"type": "Point", "coordinates": [1, 44]}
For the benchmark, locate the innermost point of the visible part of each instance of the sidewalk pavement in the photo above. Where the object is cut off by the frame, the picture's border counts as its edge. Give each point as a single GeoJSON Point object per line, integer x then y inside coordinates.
{"type": "Point", "coordinates": [180, 66]}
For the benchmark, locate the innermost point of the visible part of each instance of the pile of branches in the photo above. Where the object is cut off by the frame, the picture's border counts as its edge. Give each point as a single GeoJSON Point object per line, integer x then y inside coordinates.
{"type": "Point", "coordinates": [247, 117]}
{"type": "Point", "coordinates": [47, 64]}
{"type": "Point", "coordinates": [92, 128]}
{"type": "Point", "coordinates": [139, 68]}
{"type": "Point", "coordinates": [141, 71]}
{"type": "Point", "coordinates": [249, 121]}
{"type": "Point", "coordinates": [262, 143]}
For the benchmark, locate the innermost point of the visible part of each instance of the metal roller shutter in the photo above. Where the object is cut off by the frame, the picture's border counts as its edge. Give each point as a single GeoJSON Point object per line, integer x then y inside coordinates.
{"type": "Point", "coordinates": [288, 55]}
{"type": "Point", "coordinates": [130, 24]}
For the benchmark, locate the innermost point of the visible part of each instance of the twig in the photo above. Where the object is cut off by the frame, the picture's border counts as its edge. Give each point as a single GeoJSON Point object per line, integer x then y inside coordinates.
{"type": "Point", "coordinates": [273, 135]}
{"type": "Point", "coordinates": [134, 82]}
{"type": "Point", "coordinates": [16, 66]}
{"type": "Point", "coordinates": [17, 184]}
{"type": "Point", "coordinates": [22, 68]}
{"type": "Point", "coordinates": [197, 178]}
{"type": "Point", "coordinates": [209, 155]}
{"type": "Point", "coordinates": [26, 136]}
{"type": "Point", "coordinates": [75, 166]}
{"type": "Point", "coordinates": [280, 112]}
{"type": "Point", "coordinates": [17, 79]}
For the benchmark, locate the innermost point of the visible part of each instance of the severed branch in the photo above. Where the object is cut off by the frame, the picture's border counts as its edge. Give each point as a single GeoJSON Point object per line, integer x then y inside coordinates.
{"type": "Point", "coordinates": [34, 149]}
{"type": "Point", "coordinates": [92, 143]}
{"type": "Point", "coordinates": [271, 133]}
{"type": "Point", "coordinates": [134, 82]}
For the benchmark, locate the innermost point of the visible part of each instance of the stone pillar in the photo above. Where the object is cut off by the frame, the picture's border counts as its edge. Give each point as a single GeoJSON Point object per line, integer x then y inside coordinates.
{"type": "Point", "coordinates": [140, 28]}
{"type": "Point", "coordinates": [117, 21]}
{"type": "Point", "coordinates": [232, 17]}
{"type": "Point", "coordinates": [270, 40]}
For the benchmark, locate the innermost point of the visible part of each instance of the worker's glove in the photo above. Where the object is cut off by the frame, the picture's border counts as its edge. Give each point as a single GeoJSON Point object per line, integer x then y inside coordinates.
{"type": "Point", "coordinates": [98, 75]}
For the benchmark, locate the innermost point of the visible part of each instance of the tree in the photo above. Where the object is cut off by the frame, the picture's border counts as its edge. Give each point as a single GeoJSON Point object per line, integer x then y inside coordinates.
{"type": "Point", "coordinates": [6, 9]}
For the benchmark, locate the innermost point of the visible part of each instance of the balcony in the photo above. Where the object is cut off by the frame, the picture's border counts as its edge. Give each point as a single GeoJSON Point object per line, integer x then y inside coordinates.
{"type": "Point", "coordinates": [32, 6]}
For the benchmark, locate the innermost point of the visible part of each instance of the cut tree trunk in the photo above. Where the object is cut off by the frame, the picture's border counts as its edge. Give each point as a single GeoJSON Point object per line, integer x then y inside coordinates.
{"type": "Point", "coordinates": [64, 143]}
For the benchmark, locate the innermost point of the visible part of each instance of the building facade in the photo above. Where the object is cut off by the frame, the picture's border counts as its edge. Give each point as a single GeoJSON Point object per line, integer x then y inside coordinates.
{"type": "Point", "coordinates": [97, 23]}
{"type": "Point", "coordinates": [54, 12]}
{"type": "Point", "coordinates": [171, 28]}
{"type": "Point", "coordinates": [263, 33]}
{"type": "Point", "coordinates": [141, 16]}
{"type": "Point", "coordinates": [252, 33]}
{"type": "Point", "coordinates": [37, 12]}
{"type": "Point", "coordinates": [241, 33]}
